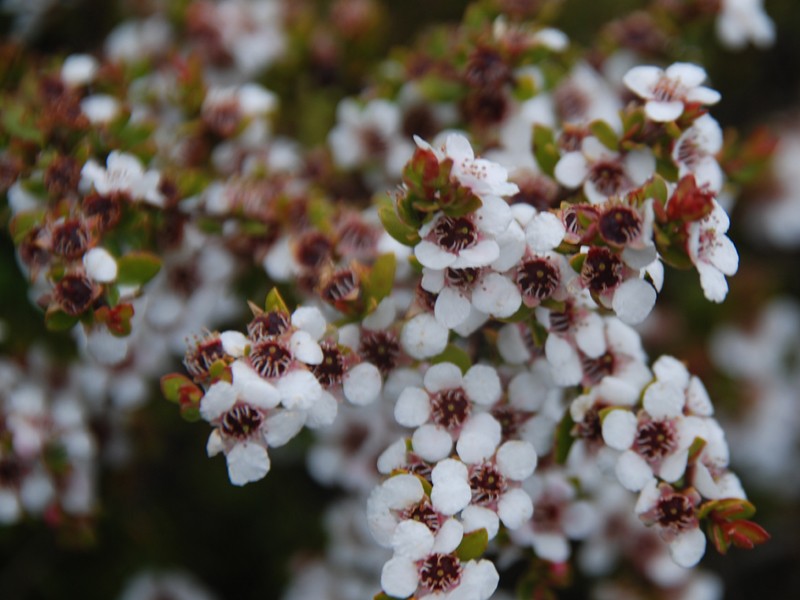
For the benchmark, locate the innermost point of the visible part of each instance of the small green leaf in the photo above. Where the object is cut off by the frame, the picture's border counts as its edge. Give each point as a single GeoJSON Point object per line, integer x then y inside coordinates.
{"type": "Point", "coordinates": [454, 354]}
{"type": "Point", "coordinates": [137, 268]}
{"type": "Point", "coordinates": [564, 438]}
{"type": "Point", "coordinates": [545, 149]}
{"type": "Point", "coordinates": [733, 509]}
{"type": "Point", "coordinates": [274, 302]}
{"type": "Point", "coordinates": [23, 223]}
{"type": "Point", "coordinates": [394, 226]}
{"type": "Point", "coordinates": [172, 384]}
{"type": "Point", "coordinates": [718, 537]}
{"type": "Point", "coordinates": [58, 320]}
{"type": "Point", "coordinates": [380, 281]}
{"type": "Point", "coordinates": [604, 132]}
{"type": "Point", "coordinates": [472, 545]}
{"type": "Point", "coordinates": [190, 413]}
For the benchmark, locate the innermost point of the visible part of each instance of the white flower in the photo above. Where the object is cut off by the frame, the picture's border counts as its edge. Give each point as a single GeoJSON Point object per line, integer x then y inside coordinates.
{"type": "Point", "coordinates": [742, 21]}
{"type": "Point", "coordinates": [79, 69]}
{"type": "Point", "coordinates": [100, 108]}
{"type": "Point", "coordinates": [100, 265]}
{"type": "Point", "coordinates": [713, 253]}
{"type": "Point", "coordinates": [124, 174]}
{"type": "Point", "coordinates": [423, 336]}
{"type": "Point", "coordinates": [667, 91]}
{"type": "Point", "coordinates": [695, 152]}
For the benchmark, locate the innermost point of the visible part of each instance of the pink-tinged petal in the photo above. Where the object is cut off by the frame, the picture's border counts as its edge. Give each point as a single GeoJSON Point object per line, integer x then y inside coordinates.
{"type": "Point", "coordinates": [432, 280]}
{"type": "Point", "coordinates": [673, 467]}
{"type": "Point", "coordinates": [670, 369]}
{"type": "Point", "coordinates": [431, 443]}
{"type": "Point", "coordinates": [299, 389]}
{"type": "Point", "coordinates": [713, 282]}
{"type": "Point", "coordinates": [452, 308]}
{"type": "Point", "coordinates": [247, 462]}
{"type": "Point", "coordinates": [723, 255]}
{"type": "Point", "coordinates": [632, 471]}
{"type": "Point", "coordinates": [544, 232]}
{"type": "Point", "coordinates": [688, 548]}
{"type": "Point", "coordinates": [442, 376]}
{"type": "Point", "coordinates": [708, 173]}
{"type": "Point", "coordinates": [433, 256]}
{"type": "Point", "coordinates": [697, 399]}
{"type": "Point", "coordinates": [423, 336]}
{"type": "Point", "coordinates": [311, 320]}
{"type": "Point", "coordinates": [619, 429]}
{"type": "Point", "coordinates": [399, 577]}
{"type": "Point", "coordinates": [412, 540]}
{"type": "Point", "coordinates": [218, 400]}
{"type": "Point", "coordinates": [283, 426]}
{"type": "Point", "coordinates": [482, 385]}
{"type": "Point", "coordinates": [252, 388]}
{"type": "Point", "coordinates": [214, 445]}
{"type": "Point", "coordinates": [633, 300]}
{"type": "Point", "coordinates": [687, 74]}
{"type": "Point", "coordinates": [481, 254]}
{"type": "Point", "coordinates": [478, 438]}
{"type": "Point", "coordinates": [323, 412]}
{"type": "Point", "coordinates": [497, 295]}
{"type": "Point", "coordinates": [663, 112]}
{"type": "Point", "coordinates": [362, 384]}
{"type": "Point", "coordinates": [305, 348]}
{"type": "Point", "coordinates": [703, 95]}
{"type": "Point", "coordinates": [571, 170]}
{"type": "Point", "coordinates": [478, 517]}
{"type": "Point", "coordinates": [551, 546]}
{"type": "Point", "coordinates": [515, 508]}
{"type": "Point", "coordinates": [448, 537]}
{"type": "Point", "coordinates": [516, 459]}
{"type": "Point", "coordinates": [642, 79]}
{"type": "Point", "coordinates": [413, 407]}
{"type": "Point", "coordinates": [664, 400]}
{"type": "Point", "coordinates": [566, 363]}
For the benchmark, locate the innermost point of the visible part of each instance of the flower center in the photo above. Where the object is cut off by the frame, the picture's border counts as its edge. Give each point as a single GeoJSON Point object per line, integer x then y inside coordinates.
{"type": "Point", "coordinates": [462, 279]}
{"type": "Point", "coordinates": [608, 177]}
{"type": "Point", "coordinates": [487, 484]}
{"type": "Point", "coordinates": [537, 279]}
{"type": "Point", "coordinates": [329, 372]}
{"type": "Point", "coordinates": [270, 359]}
{"type": "Point", "coordinates": [666, 90]}
{"type": "Point", "coordinates": [206, 352]}
{"type": "Point", "coordinates": [423, 512]}
{"type": "Point", "coordinates": [70, 239]}
{"type": "Point", "coordinates": [343, 285]}
{"type": "Point", "coordinates": [455, 234]}
{"type": "Point", "coordinates": [602, 270]}
{"type": "Point", "coordinates": [655, 440]}
{"type": "Point", "coordinates": [241, 421]}
{"type": "Point", "coordinates": [675, 513]}
{"type": "Point", "coordinates": [75, 293]}
{"type": "Point", "coordinates": [440, 572]}
{"type": "Point", "coordinates": [268, 324]}
{"type": "Point", "coordinates": [381, 348]}
{"type": "Point", "coordinates": [105, 209]}
{"type": "Point", "coordinates": [594, 369]}
{"type": "Point", "coordinates": [312, 250]}
{"type": "Point", "coordinates": [450, 408]}
{"type": "Point", "coordinates": [620, 225]}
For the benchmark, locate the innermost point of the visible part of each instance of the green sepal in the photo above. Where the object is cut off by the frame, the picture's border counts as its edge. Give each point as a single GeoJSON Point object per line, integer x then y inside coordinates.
{"type": "Point", "coordinates": [607, 136]}
{"type": "Point", "coordinates": [219, 371]}
{"type": "Point", "coordinates": [190, 413]}
{"type": "Point", "coordinates": [378, 284]}
{"type": "Point", "coordinates": [454, 354]}
{"type": "Point", "coordinates": [175, 386]}
{"type": "Point", "coordinates": [564, 438]}
{"type": "Point", "coordinates": [274, 302]}
{"type": "Point", "coordinates": [472, 545]}
{"type": "Point", "coordinates": [718, 536]}
{"type": "Point", "coordinates": [393, 225]}
{"type": "Point", "coordinates": [576, 262]}
{"type": "Point", "coordinates": [656, 188]}
{"type": "Point", "coordinates": [57, 320]}
{"type": "Point", "coordinates": [545, 149]}
{"type": "Point", "coordinates": [137, 268]}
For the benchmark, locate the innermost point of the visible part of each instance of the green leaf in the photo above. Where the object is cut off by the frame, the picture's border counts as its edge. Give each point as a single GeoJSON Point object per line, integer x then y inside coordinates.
{"type": "Point", "coordinates": [454, 354]}
{"type": "Point", "coordinates": [718, 537]}
{"type": "Point", "coordinates": [137, 268]}
{"type": "Point", "coordinates": [545, 149]}
{"type": "Point", "coordinates": [607, 136]}
{"type": "Point", "coordinates": [472, 545]}
{"type": "Point", "coordinates": [394, 226]}
{"type": "Point", "coordinates": [20, 124]}
{"type": "Point", "coordinates": [564, 438]}
{"type": "Point", "coordinates": [58, 320]}
{"type": "Point", "coordinates": [380, 281]}
{"type": "Point", "coordinates": [733, 509]}
{"type": "Point", "coordinates": [23, 223]}
{"type": "Point", "coordinates": [274, 302]}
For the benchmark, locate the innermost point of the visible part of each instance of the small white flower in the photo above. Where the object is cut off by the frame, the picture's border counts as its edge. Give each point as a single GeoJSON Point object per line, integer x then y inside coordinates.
{"type": "Point", "coordinates": [742, 21]}
{"type": "Point", "coordinates": [712, 252]}
{"type": "Point", "coordinates": [100, 265]}
{"type": "Point", "coordinates": [667, 91]}
{"type": "Point", "coordinates": [124, 174]}
{"type": "Point", "coordinates": [79, 69]}
{"type": "Point", "coordinates": [695, 152]}
{"type": "Point", "coordinates": [100, 108]}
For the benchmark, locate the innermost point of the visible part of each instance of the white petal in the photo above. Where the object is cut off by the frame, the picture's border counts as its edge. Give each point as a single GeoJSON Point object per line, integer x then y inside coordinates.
{"type": "Point", "coordinates": [673, 466]}
{"type": "Point", "coordinates": [234, 343]}
{"type": "Point", "coordinates": [442, 376]}
{"type": "Point", "coordinates": [423, 337]}
{"type": "Point", "coordinates": [497, 296]}
{"type": "Point", "coordinates": [619, 429]}
{"type": "Point", "coordinates": [664, 400]}
{"type": "Point", "coordinates": [399, 577]}
{"type": "Point", "coordinates": [311, 320]}
{"type": "Point", "coordinates": [79, 69]}
{"type": "Point", "coordinates": [571, 169]}
{"type": "Point", "coordinates": [218, 400]}
{"type": "Point", "coordinates": [633, 301]}
{"type": "Point", "coordinates": [670, 369]}
{"type": "Point", "coordinates": [478, 517]}
{"type": "Point", "coordinates": [305, 348]}
{"type": "Point", "coordinates": [482, 385]}
{"type": "Point", "coordinates": [632, 471]}
{"type": "Point", "coordinates": [451, 492]}
{"type": "Point", "coordinates": [413, 407]}
{"type": "Point", "coordinates": [724, 255]}
{"type": "Point", "coordinates": [590, 335]}
{"type": "Point", "coordinates": [663, 112]}
{"type": "Point", "coordinates": [480, 577]}
{"type": "Point", "coordinates": [451, 308]}
{"type": "Point", "coordinates": [10, 509]}
{"type": "Point", "coordinates": [641, 80]}
{"type": "Point", "coordinates": [516, 459]}
{"type": "Point", "coordinates": [382, 317]}
{"type": "Point", "coordinates": [515, 508]}
{"type": "Point", "coordinates": [433, 256]}
{"type": "Point", "coordinates": [713, 282]}
{"type": "Point", "coordinates": [479, 438]}
{"type": "Point", "coordinates": [687, 74]}
{"type": "Point", "coordinates": [431, 443]}
{"type": "Point", "coordinates": [247, 462]}
{"type": "Point", "coordinates": [448, 537]}
{"type": "Point", "coordinates": [412, 540]}
{"type": "Point", "coordinates": [697, 399]}
{"type": "Point", "coordinates": [100, 265]}
{"type": "Point", "coordinates": [551, 546]}
{"type": "Point", "coordinates": [688, 548]}
{"type": "Point", "coordinates": [323, 412]}
{"type": "Point", "coordinates": [639, 165]}
{"type": "Point", "coordinates": [481, 254]}
{"type": "Point", "coordinates": [362, 384]}
{"type": "Point", "coordinates": [567, 369]}
{"type": "Point", "coordinates": [544, 232]}
{"type": "Point", "coordinates": [299, 389]}
{"type": "Point", "coordinates": [393, 457]}
{"type": "Point", "coordinates": [252, 388]}
{"type": "Point", "coordinates": [401, 491]}
{"type": "Point", "coordinates": [283, 426]}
